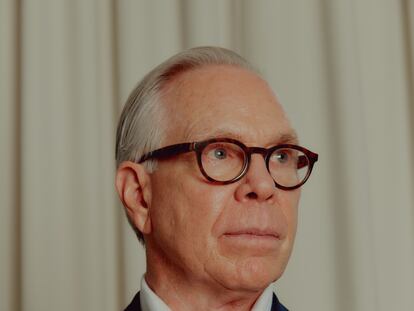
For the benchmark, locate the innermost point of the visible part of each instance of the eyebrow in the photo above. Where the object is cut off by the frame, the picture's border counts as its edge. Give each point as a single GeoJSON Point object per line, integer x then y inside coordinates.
{"type": "Point", "coordinates": [289, 137]}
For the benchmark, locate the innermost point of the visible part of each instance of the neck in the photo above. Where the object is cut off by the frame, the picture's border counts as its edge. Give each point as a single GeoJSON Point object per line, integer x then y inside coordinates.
{"type": "Point", "coordinates": [182, 292]}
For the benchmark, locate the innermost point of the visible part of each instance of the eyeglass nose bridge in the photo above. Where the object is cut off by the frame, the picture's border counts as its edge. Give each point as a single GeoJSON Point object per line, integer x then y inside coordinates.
{"type": "Point", "coordinates": [252, 150]}
{"type": "Point", "coordinates": [263, 151]}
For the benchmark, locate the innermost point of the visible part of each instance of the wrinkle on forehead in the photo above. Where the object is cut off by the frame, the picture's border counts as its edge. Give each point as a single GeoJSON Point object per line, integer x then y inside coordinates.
{"type": "Point", "coordinates": [192, 134]}
{"type": "Point", "coordinates": [233, 103]}
{"type": "Point", "coordinates": [241, 129]}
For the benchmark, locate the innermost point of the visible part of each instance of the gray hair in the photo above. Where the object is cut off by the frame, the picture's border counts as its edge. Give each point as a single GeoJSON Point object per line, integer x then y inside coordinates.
{"type": "Point", "coordinates": [140, 128]}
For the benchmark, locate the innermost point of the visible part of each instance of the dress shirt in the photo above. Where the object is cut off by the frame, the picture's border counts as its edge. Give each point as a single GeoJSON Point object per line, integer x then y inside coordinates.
{"type": "Point", "coordinates": [151, 302]}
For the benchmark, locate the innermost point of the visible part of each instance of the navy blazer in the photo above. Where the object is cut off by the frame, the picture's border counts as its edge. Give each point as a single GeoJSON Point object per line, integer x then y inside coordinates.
{"type": "Point", "coordinates": [135, 304]}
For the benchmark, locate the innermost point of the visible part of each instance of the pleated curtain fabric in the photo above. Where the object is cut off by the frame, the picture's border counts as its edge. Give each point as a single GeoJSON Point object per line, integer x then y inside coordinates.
{"type": "Point", "coordinates": [344, 73]}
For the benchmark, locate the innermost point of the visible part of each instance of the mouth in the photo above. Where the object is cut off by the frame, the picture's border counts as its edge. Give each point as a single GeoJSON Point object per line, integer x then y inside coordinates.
{"type": "Point", "coordinates": [260, 242]}
{"type": "Point", "coordinates": [253, 233]}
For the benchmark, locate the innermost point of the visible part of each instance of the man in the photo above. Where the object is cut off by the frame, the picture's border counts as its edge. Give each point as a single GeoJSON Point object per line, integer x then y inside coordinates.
{"type": "Point", "coordinates": [209, 170]}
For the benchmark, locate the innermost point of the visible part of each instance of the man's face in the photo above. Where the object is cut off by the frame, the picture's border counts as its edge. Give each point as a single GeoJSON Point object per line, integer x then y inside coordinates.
{"type": "Point", "coordinates": [237, 236]}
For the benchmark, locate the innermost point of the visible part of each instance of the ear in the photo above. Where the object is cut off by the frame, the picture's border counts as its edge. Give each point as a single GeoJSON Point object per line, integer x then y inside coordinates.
{"type": "Point", "coordinates": [134, 189]}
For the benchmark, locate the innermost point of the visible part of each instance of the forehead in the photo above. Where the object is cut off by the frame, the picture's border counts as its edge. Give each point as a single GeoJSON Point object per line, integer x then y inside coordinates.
{"type": "Point", "coordinates": [224, 101]}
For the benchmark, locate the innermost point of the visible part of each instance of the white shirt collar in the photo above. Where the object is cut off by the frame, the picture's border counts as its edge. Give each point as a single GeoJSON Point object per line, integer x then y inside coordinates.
{"type": "Point", "coordinates": [151, 302]}
{"type": "Point", "coordinates": [264, 302]}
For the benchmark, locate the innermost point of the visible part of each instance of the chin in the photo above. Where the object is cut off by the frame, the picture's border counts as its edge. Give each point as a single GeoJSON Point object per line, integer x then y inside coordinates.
{"type": "Point", "coordinates": [258, 273]}
{"type": "Point", "coordinates": [248, 274]}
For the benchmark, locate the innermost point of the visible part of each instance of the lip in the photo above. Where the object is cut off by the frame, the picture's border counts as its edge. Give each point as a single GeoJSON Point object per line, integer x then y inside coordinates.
{"type": "Point", "coordinates": [260, 242]}
{"type": "Point", "coordinates": [253, 233]}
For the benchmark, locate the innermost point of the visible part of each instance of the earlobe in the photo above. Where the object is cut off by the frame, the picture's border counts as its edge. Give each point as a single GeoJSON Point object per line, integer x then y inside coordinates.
{"type": "Point", "coordinates": [134, 189]}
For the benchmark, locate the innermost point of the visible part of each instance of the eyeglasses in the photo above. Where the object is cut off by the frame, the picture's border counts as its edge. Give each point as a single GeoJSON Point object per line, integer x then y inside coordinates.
{"type": "Point", "coordinates": [225, 160]}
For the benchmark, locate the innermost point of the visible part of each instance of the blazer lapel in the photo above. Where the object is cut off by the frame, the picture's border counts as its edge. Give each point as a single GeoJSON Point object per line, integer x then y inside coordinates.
{"type": "Point", "coordinates": [276, 305]}
{"type": "Point", "coordinates": [135, 304]}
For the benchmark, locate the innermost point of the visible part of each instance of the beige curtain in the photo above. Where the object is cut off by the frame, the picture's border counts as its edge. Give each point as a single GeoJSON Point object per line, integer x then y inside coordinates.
{"type": "Point", "coordinates": [344, 71]}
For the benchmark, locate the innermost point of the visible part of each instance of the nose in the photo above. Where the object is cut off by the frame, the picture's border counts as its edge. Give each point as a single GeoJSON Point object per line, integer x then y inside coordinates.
{"type": "Point", "coordinates": [257, 184]}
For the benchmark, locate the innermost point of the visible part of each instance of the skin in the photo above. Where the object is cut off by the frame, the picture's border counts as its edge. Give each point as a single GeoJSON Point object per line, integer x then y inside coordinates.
{"type": "Point", "coordinates": [208, 246]}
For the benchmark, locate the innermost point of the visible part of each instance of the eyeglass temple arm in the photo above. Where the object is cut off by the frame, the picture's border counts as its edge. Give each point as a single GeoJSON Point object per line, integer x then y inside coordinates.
{"type": "Point", "coordinates": [168, 151]}
{"type": "Point", "coordinates": [303, 160]}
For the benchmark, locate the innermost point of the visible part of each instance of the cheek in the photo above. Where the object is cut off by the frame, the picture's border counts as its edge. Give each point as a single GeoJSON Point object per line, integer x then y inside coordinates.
{"type": "Point", "coordinates": [289, 201]}
{"type": "Point", "coordinates": [204, 204]}
{"type": "Point", "coordinates": [184, 212]}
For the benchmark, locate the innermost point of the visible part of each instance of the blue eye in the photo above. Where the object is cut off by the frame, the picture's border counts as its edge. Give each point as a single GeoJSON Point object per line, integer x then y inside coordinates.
{"type": "Point", "coordinates": [223, 153]}
{"type": "Point", "coordinates": [282, 157]}
{"type": "Point", "coordinates": [220, 153]}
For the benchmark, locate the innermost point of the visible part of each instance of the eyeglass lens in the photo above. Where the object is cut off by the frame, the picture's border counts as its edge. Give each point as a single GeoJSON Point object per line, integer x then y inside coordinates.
{"type": "Point", "coordinates": [224, 161]}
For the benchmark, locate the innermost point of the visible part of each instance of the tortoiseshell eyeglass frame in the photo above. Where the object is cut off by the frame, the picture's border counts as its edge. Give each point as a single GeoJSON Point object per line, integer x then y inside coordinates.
{"type": "Point", "coordinates": [198, 147]}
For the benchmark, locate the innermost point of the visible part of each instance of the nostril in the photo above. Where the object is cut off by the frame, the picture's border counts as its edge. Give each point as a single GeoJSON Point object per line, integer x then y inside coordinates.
{"type": "Point", "coordinates": [252, 195]}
